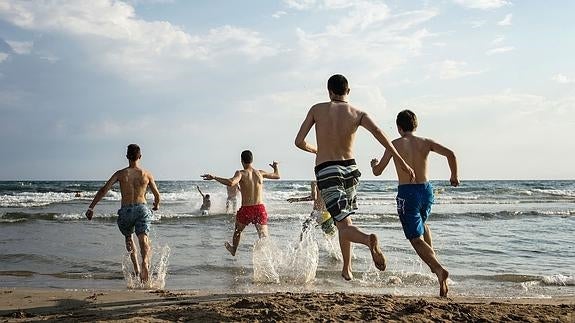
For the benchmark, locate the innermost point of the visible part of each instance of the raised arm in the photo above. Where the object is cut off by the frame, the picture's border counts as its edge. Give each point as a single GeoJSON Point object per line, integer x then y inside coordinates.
{"type": "Point", "coordinates": [226, 181]}
{"type": "Point", "coordinates": [155, 191]}
{"type": "Point", "coordinates": [100, 194]}
{"type": "Point", "coordinates": [275, 174]}
{"type": "Point", "coordinates": [368, 124]}
{"type": "Point", "coordinates": [451, 160]}
{"type": "Point", "coordinates": [302, 133]}
{"type": "Point", "coordinates": [198, 187]}
{"type": "Point", "coordinates": [377, 168]}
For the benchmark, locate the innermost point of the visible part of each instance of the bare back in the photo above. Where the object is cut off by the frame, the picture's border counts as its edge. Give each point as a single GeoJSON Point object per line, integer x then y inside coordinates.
{"type": "Point", "coordinates": [414, 150]}
{"type": "Point", "coordinates": [133, 185]}
{"type": "Point", "coordinates": [335, 126]}
{"type": "Point", "coordinates": [251, 186]}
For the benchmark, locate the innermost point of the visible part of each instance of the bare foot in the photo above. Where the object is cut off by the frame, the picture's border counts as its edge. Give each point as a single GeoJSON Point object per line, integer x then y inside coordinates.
{"type": "Point", "coordinates": [230, 248]}
{"type": "Point", "coordinates": [347, 275]}
{"type": "Point", "coordinates": [144, 274]}
{"type": "Point", "coordinates": [376, 254]}
{"type": "Point", "coordinates": [442, 276]}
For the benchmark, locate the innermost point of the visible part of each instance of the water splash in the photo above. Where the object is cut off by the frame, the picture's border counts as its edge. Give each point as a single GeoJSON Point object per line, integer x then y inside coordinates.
{"type": "Point", "coordinates": [295, 263]}
{"type": "Point", "coordinates": [158, 270]}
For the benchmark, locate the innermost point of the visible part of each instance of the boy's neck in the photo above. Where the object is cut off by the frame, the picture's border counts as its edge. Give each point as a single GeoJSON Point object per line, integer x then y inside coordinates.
{"type": "Point", "coordinates": [407, 134]}
{"type": "Point", "coordinates": [134, 164]}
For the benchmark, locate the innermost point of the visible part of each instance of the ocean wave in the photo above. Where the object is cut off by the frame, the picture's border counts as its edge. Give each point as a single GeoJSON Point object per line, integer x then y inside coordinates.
{"type": "Point", "coordinates": [530, 280]}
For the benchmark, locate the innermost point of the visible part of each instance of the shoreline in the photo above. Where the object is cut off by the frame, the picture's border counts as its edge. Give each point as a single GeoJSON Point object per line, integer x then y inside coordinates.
{"type": "Point", "coordinates": [33, 304]}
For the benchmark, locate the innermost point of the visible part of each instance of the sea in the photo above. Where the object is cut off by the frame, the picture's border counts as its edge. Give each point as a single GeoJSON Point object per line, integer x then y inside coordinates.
{"type": "Point", "coordinates": [508, 239]}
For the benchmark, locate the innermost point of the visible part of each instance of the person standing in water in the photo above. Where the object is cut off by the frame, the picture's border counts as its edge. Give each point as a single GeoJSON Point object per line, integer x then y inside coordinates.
{"type": "Point", "coordinates": [337, 174]}
{"type": "Point", "coordinates": [414, 200]}
{"type": "Point", "coordinates": [251, 185]}
{"type": "Point", "coordinates": [232, 199]}
{"type": "Point", "coordinates": [206, 202]}
{"type": "Point", "coordinates": [134, 215]}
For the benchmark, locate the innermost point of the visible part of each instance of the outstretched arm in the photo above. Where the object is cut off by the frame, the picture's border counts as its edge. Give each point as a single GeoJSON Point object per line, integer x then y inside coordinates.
{"type": "Point", "coordinates": [155, 191]}
{"type": "Point", "coordinates": [302, 133]}
{"type": "Point", "coordinates": [368, 124]}
{"type": "Point", "coordinates": [300, 199]}
{"type": "Point", "coordinates": [198, 187]}
{"type": "Point", "coordinates": [451, 160]}
{"type": "Point", "coordinates": [226, 181]}
{"type": "Point", "coordinates": [377, 168]}
{"type": "Point", "coordinates": [101, 193]}
{"type": "Point", "coordinates": [275, 174]}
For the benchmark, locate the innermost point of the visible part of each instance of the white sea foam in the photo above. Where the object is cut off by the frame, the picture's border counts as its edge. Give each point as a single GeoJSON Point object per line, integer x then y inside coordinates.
{"type": "Point", "coordinates": [158, 270]}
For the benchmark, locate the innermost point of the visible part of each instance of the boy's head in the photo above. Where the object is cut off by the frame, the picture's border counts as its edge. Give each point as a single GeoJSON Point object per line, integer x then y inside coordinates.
{"type": "Point", "coordinates": [133, 152]}
{"type": "Point", "coordinates": [406, 121]}
{"type": "Point", "coordinates": [337, 84]}
{"type": "Point", "coordinates": [207, 196]}
{"type": "Point", "coordinates": [247, 157]}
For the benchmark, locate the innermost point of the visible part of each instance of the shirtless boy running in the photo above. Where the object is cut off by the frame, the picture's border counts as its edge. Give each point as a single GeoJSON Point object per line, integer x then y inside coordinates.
{"type": "Point", "coordinates": [251, 186]}
{"type": "Point", "coordinates": [134, 215]}
{"type": "Point", "coordinates": [414, 200]}
{"type": "Point", "coordinates": [337, 175]}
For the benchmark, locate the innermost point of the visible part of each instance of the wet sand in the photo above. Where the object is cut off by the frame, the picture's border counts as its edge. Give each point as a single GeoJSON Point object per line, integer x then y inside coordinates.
{"type": "Point", "coordinates": [25, 305]}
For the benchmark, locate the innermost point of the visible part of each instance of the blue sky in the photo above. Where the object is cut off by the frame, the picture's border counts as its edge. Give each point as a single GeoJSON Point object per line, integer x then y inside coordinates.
{"type": "Point", "coordinates": [196, 82]}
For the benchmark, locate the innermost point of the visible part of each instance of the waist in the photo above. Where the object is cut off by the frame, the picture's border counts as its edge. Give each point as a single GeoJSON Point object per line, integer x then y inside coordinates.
{"type": "Point", "coordinates": [342, 163]}
{"type": "Point", "coordinates": [411, 187]}
{"type": "Point", "coordinates": [253, 206]}
{"type": "Point", "coordinates": [133, 205]}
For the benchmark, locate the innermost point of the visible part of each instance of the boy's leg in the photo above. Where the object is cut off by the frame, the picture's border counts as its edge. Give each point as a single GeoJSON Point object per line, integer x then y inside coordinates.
{"type": "Point", "coordinates": [427, 236]}
{"type": "Point", "coordinates": [427, 254]}
{"type": "Point", "coordinates": [145, 250]}
{"type": "Point", "coordinates": [236, 238]}
{"type": "Point", "coordinates": [262, 230]}
{"type": "Point", "coordinates": [349, 233]}
{"type": "Point", "coordinates": [131, 248]}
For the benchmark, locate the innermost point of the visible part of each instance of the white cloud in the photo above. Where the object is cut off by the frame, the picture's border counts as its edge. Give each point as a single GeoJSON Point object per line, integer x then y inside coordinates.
{"type": "Point", "coordinates": [449, 69]}
{"type": "Point", "coordinates": [279, 14]}
{"type": "Point", "coordinates": [129, 45]}
{"type": "Point", "coordinates": [506, 21]}
{"type": "Point", "coordinates": [482, 4]}
{"type": "Point", "coordinates": [498, 40]}
{"type": "Point", "coordinates": [321, 4]}
{"type": "Point", "coordinates": [500, 50]}
{"type": "Point", "coordinates": [379, 39]}
{"type": "Point", "coordinates": [3, 57]}
{"type": "Point", "coordinates": [563, 79]}
{"type": "Point", "coordinates": [21, 47]}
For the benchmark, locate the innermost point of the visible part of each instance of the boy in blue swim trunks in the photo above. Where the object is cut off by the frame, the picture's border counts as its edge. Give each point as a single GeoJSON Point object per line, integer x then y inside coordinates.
{"type": "Point", "coordinates": [414, 200]}
{"type": "Point", "coordinates": [134, 215]}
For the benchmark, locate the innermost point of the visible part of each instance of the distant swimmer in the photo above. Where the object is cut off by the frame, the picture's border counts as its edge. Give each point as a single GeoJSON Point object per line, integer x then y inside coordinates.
{"type": "Point", "coordinates": [134, 215]}
{"type": "Point", "coordinates": [206, 203]}
{"type": "Point", "coordinates": [232, 199]}
{"type": "Point", "coordinates": [251, 185]}
{"type": "Point", "coordinates": [319, 215]}
{"type": "Point", "coordinates": [337, 174]}
{"type": "Point", "coordinates": [414, 200]}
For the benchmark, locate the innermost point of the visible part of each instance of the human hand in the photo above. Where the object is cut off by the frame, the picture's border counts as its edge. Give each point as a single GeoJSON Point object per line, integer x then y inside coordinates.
{"type": "Point", "coordinates": [454, 181]}
{"type": "Point", "coordinates": [89, 214]}
{"type": "Point", "coordinates": [410, 171]}
{"type": "Point", "coordinates": [274, 165]}
{"type": "Point", "coordinates": [207, 177]}
{"type": "Point", "coordinates": [156, 207]}
{"type": "Point", "coordinates": [373, 162]}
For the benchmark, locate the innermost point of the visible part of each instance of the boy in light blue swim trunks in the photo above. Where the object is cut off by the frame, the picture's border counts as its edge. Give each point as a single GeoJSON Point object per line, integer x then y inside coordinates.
{"type": "Point", "coordinates": [134, 215]}
{"type": "Point", "coordinates": [414, 200]}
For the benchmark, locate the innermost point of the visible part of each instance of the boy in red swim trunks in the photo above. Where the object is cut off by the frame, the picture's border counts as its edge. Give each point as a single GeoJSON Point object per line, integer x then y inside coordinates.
{"type": "Point", "coordinates": [251, 188]}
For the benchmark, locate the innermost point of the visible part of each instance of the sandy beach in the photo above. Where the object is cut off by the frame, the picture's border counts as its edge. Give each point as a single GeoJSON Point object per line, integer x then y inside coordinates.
{"type": "Point", "coordinates": [26, 305]}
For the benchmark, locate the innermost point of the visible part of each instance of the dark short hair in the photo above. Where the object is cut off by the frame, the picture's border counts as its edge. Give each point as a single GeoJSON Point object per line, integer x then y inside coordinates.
{"type": "Point", "coordinates": [337, 84]}
{"type": "Point", "coordinates": [133, 152]}
{"type": "Point", "coordinates": [406, 120]}
{"type": "Point", "coordinates": [208, 195]}
{"type": "Point", "coordinates": [247, 157]}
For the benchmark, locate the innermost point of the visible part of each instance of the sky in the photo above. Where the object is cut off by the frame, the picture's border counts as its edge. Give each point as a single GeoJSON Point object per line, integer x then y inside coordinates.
{"type": "Point", "coordinates": [196, 82]}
